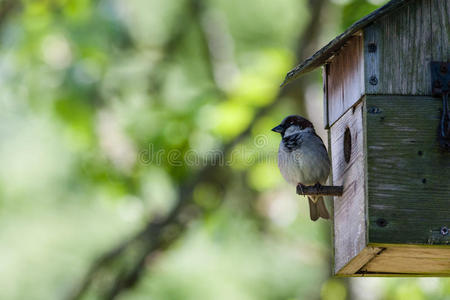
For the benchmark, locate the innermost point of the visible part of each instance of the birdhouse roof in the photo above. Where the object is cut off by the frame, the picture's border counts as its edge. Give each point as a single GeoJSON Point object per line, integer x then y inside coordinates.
{"type": "Point", "coordinates": [320, 57]}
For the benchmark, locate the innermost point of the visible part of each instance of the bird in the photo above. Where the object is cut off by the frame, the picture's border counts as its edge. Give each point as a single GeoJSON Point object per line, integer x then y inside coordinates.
{"type": "Point", "coordinates": [303, 159]}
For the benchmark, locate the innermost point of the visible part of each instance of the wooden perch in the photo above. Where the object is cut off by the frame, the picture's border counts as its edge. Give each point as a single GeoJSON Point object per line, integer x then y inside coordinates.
{"type": "Point", "coordinates": [323, 190]}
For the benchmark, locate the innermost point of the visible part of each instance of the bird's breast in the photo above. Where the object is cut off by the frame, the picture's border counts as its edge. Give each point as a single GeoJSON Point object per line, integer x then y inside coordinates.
{"type": "Point", "coordinates": [307, 164]}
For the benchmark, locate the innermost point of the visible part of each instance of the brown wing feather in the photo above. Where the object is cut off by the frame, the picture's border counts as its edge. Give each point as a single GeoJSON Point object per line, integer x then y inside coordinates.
{"type": "Point", "coordinates": [313, 211]}
{"type": "Point", "coordinates": [318, 209]}
{"type": "Point", "coordinates": [323, 212]}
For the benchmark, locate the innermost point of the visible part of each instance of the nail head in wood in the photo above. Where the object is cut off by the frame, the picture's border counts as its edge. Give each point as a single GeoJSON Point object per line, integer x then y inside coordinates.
{"type": "Point", "coordinates": [381, 222]}
{"type": "Point", "coordinates": [373, 80]}
{"type": "Point", "coordinates": [373, 110]}
{"type": "Point", "coordinates": [372, 47]}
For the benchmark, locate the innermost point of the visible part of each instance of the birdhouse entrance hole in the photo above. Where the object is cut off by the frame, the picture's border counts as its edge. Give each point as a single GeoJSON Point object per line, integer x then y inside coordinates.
{"type": "Point", "coordinates": [347, 145]}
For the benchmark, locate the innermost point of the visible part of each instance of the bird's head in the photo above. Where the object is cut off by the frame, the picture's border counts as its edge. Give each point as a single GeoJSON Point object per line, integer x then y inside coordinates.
{"type": "Point", "coordinates": [293, 123]}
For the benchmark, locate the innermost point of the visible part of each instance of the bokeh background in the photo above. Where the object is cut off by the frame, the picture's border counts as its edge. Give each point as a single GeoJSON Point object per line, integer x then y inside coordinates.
{"type": "Point", "coordinates": [136, 158]}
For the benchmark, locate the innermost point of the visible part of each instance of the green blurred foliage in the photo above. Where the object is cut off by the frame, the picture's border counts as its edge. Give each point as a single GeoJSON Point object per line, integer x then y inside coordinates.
{"type": "Point", "coordinates": [333, 289]}
{"type": "Point", "coordinates": [103, 102]}
{"type": "Point", "coordinates": [352, 11]}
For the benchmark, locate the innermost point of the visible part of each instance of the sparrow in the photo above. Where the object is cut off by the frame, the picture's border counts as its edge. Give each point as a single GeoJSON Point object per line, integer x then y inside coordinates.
{"type": "Point", "coordinates": [303, 159]}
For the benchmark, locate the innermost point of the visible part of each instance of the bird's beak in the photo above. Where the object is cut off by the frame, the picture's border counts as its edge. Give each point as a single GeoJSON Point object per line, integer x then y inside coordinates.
{"type": "Point", "coordinates": [278, 129]}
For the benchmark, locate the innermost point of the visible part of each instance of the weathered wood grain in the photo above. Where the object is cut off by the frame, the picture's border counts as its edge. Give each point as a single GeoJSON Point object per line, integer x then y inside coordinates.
{"type": "Point", "coordinates": [359, 261]}
{"type": "Point", "coordinates": [320, 57]}
{"type": "Point", "coordinates": [408, 174]}
{"type": "Point", "coordinates": [405, 47]}
{"type": "Point", "coordinates": [372, 38]}
{"type": "Point", "coordinates": [440, 17]}
{"type": "Point", "coordinates": [417, 260]}
{"type": "Point", "coordinates": [349, 210]}
{"type": "Point", "coordinates": [345, 78]}
{"type": "Point", "coordinates": [325, 71]}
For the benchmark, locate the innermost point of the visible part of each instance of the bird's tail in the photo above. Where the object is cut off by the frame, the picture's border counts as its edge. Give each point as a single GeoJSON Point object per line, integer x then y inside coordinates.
{"type": "Point", "coordinates": [317, 208]}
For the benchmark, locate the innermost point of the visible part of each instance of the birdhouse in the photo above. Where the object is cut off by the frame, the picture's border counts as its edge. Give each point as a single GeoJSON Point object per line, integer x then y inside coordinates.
{"type": "Point", "coordinates": [386, 84]}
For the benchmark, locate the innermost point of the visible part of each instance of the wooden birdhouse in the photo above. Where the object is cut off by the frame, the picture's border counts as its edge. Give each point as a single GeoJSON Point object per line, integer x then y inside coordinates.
{"type": "Point", "coordinates": [386, 84]}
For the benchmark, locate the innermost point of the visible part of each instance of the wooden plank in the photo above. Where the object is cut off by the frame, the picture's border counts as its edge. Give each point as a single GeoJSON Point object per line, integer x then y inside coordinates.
{"type": "Point", "coordinates": [325, 71]}
{"type": "Point", "coordinates": [401, 265]}
{"type": "Point", "coordinates": [440, 17]}
{"type": "Point", "coordinates": [389, 275]}
{"type": "Point", "coordinates": [404, 50]}
{"type": "Point", "coordinates": [372, 38]}
{"type": "Point", "coordinates": [345, 78]}
{"type": "Point", "coordinates": [417, 260]}
{"type": "Point", "coordinates": [359, 261]}
{"type": "Point", "coordinates": [330, 199]}
{"type": "Point", "coordinates": [335, 89]}
{"type": "Point", "coordinates": [417, 252]}
{"type": "Point", "coordinates": [408, 173]}
{"type": "Point", "coordinates": [349, 220]}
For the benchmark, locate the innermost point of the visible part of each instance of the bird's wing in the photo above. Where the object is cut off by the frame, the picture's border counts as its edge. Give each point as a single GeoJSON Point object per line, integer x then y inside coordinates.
{"type": "Point", "coordinates": [320, 139]}
{"type": "Point", "coordinates": [313, 211]}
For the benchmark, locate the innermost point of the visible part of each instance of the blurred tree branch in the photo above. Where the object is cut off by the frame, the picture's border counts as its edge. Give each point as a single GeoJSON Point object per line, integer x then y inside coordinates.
{"type": "Point", "coordinates": [138, 251]}
{"type": "Point", "coordinates": [6, 8]}
{"type": "Point", "coordinates": [194, 9]}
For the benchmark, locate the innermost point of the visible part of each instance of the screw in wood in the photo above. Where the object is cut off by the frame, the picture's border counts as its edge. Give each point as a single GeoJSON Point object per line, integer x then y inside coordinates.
{"type": "Point", "coordinates": [381, 222]}
{"type": "Point", "coordinates": [372, 47]}
{"type": "Point", "coordinates": [373, 80]}
{"type": "Point", "coordinates": [373, 110]}
{"type": "Point", "coordinates": [443, 68]}
{"type": "Point", "coordinates": [444, 230]}
{"type": "Point", "coordinates": [420, 153]}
